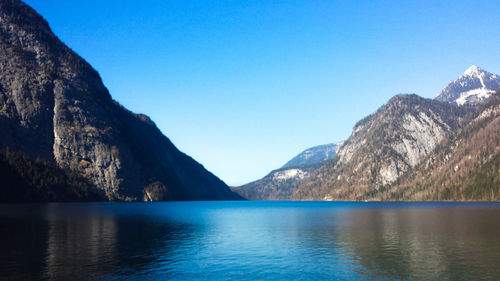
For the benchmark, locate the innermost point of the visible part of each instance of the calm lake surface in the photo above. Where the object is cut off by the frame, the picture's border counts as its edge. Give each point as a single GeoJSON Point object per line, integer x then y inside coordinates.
{"type": "Point", "coordinates": [250, 241]}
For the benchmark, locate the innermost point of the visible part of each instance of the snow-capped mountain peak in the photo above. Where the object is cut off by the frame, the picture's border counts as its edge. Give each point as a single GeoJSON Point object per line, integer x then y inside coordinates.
{"type": "Point", "coordinates": [473, 71]}
{"type": "Point", "coordinates": [472, 87]}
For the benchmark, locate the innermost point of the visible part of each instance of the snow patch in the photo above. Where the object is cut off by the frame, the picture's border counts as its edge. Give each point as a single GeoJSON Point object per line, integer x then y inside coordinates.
{"type": "Point", "coordinates": [289, 174]}
{"type": "Point", "coordinates": [473, 86]}
{"type": "Point", "coordinates": [328, 197]}
{"type": "Point", "coordinates": [481, 93]}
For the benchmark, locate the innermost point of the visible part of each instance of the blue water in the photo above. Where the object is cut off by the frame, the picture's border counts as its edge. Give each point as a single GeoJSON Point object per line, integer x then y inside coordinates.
{"type": "Point", "coordinates": [250, 241]}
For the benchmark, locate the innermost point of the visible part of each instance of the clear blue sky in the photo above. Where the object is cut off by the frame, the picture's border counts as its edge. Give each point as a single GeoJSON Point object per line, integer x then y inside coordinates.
{"type": "Point", "coordinates": [243, 86]}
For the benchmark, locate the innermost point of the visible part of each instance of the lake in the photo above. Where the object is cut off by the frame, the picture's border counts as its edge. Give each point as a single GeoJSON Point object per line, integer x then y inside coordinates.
{"type": "Point", "coordinates": [250, 241]}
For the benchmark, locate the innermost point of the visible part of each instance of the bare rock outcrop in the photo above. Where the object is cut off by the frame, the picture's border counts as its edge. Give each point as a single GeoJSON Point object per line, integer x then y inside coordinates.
{"type": "Point", "coordinates": [53, 105]}
{"type": "Point", "coordinates": [384, 146]}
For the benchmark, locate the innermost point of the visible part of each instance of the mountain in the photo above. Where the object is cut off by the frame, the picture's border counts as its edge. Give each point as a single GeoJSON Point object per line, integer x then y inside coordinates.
{"type": "Point", "coordinates": [27, 180]}
{"type": "Point", "coordinates": [54, 106]}
{"type": "Point", "coordinates": [386, 148]}
{"type": "Point", "coordinates": [280, 184]}
{"type": "Point", "coordinates": [405, 149]}
{"type": "Point", "coordinates": [277, 185]}
{"type": "Point", "coordinates": [383, 146]}
{"type": "Point", "coordinates": [314, 155]}
{"type": "Point", "coordinates": [472, 87]}
{"type": "Point", "coordinates": [466, 166]}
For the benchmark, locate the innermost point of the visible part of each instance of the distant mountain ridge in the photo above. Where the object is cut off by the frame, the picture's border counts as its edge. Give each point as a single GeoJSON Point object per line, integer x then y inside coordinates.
{"type": "Point", "coordinates": [472, 87]}
{"type": "Point", "coordinates": [280, 183]}
{"type": "Point", "coordinates": [54, 106]}
{"type": "Point", "coordinates": [314, 156]}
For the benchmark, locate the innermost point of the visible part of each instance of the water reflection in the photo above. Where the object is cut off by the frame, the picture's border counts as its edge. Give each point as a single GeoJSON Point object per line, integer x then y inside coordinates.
{"type": "Point", "coordinates": [64, 242]}
{"type": "Point", "coordinates": [425, 244]}
{"type": "Point", "coordinates": [74, 240]}
{"type": "Point", "coordinates": [23, 246]}
{"type": "Point", "coordinates": [249, 241]}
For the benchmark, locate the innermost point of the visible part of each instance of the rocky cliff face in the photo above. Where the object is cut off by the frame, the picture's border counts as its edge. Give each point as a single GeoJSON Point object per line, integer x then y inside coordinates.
{"type": "Point", "coordinates": [54, 105]}
{"type": "Point", "coordinates": [387, 155]}
{"type": "Point", "coordinates": [391, 152]}
{"type": "Point", "coordinates": [465, 166]}
{"type": "Point", "coordinates": [384, 146]}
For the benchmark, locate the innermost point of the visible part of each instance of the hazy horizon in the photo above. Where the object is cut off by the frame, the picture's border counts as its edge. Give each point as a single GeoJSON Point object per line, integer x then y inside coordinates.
{"type": "Point", "coordinates": [242, 87]}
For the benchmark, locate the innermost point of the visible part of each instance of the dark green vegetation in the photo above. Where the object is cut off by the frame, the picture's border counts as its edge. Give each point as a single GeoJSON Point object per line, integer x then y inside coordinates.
{"type": "Point", "coordinates": [26, 180]}
{"type": "Point", "coordinates": [54, 106]}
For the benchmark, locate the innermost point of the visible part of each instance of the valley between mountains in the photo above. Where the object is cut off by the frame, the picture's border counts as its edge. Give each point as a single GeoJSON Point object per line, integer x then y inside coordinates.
{"type": "Point", "coordinates": [64, 138]}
